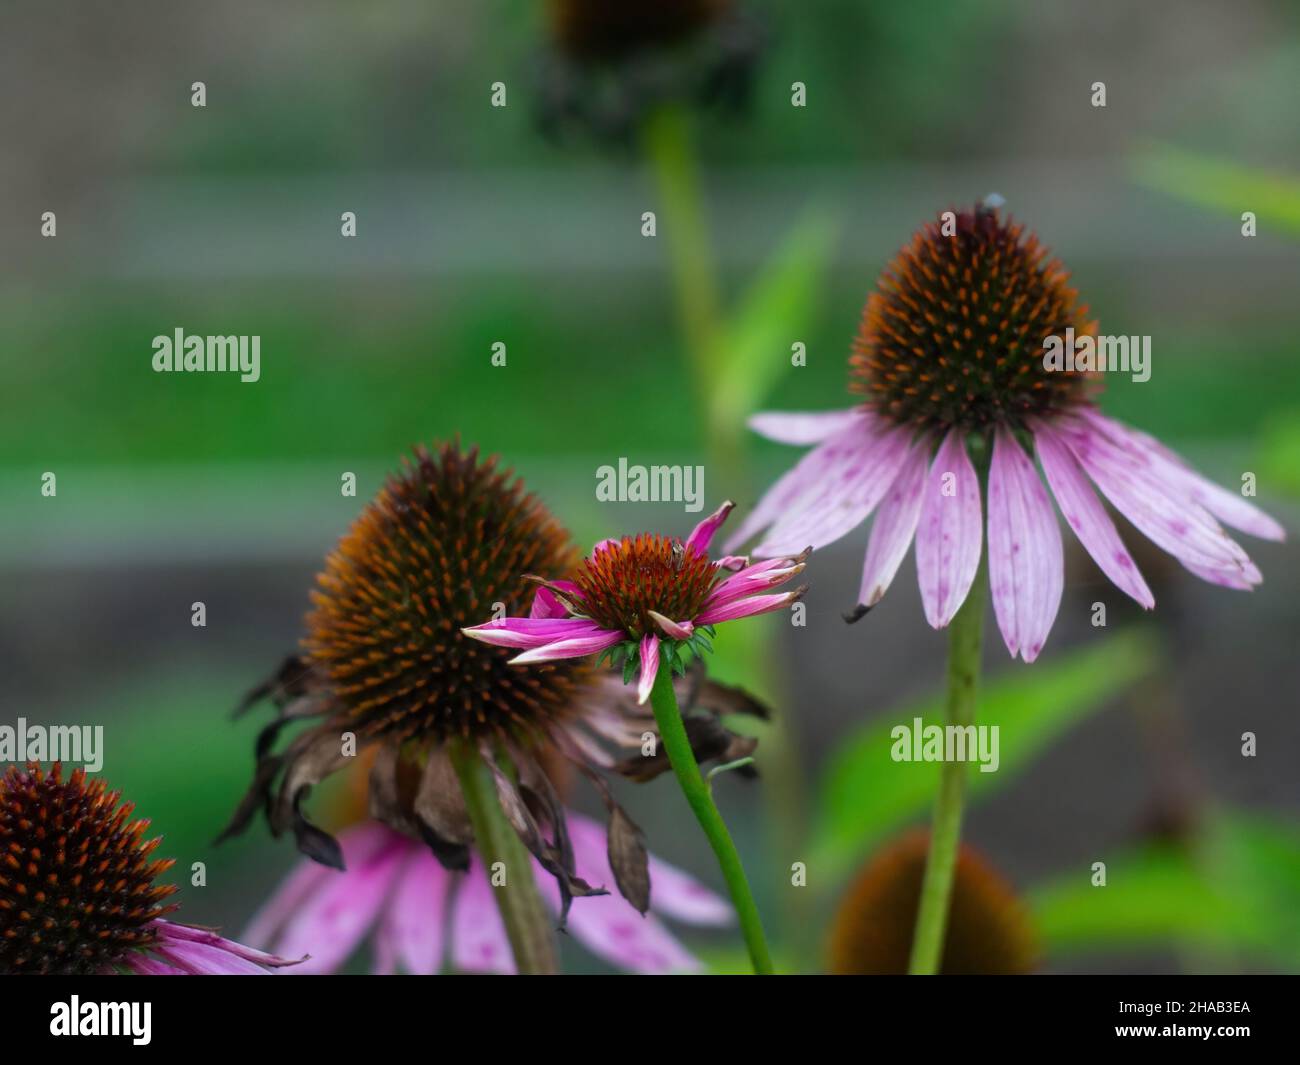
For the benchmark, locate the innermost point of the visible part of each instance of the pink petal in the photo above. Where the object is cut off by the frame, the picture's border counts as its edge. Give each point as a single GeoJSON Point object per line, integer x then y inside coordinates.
{"type": "Point", "coordinates": [201, 959]}
{"type": "Point", "coordinates": [894, 525]}
{"type": "Point", "coordinates": [338, 916]}
{"type": "Point", "coordinates": [412, 926]}
{"type": "Point", "coordinates": [1236, 579]}
{"type": "Point", "coordinates": [546, 604]}
{"type": "Point", "coordinates": [803, 427]}
{"type": "Point", "coordinates": [860, 470]}
{"type": "Point", "coordinates": [575, 648]}
{"type": "Point", "coordinates": [478, 937]}
{"type": "Point", "coordinates": [677, 630]}
{"type": "Point", "coordinates": [531, 632]}
{"type": "Point", "coordinates": [702, 535]}
{"type": "Point", "coordinates": [745, 608]}
{"type": "Point", "coordinates": [1026, 563]}
{"type": "Point", "coordinates": [649, 667]}
{"type": "Point", "coordinates": [949, 537]}
{"type": "Point", "coordinates": [807, 473]}
{"type": "Point", "coordinates": [1087, 517]}
{"type": "Point", "coordinates": [306, 877]}
{"type": "Point", "coordinates": [754, 578]}
{"type": "Point", "coordinates": [172, 932]}
{"type": "Point", "coordinates": [1229, 507]}
{"type": "Point", "coordinates": [607, 924]}
{"type": "Point", "coordinates": [1159, 508]}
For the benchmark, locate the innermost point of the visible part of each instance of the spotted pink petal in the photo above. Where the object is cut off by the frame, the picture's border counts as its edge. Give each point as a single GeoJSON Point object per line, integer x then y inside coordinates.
{"type": "Point", "coordinates": [1162, 511]}
{"type": "Point", "coordinates": [478, 937]}
{"type": "Point", "coordinates": [578, 647]}
{"type": "Point", "coordinates": [1229, 507]}
{"type": "Point", "coordinates": [847, 491]}
{"type": "Point", "coordinates": [803, 427]}
{"type": "Point", "coordinates": [949, 535]}
{"type": "Point", "coordinates": [1087, 517]}
{"type": "Point", "coordinates": [526, 633]}
{"type": "Point", "coordinates": [894, 526]}
{"type": "Point", "coordinates": [702, 535]}
{"type": "Point", "coordinates": [856, 438]}
{"type": "Point", "coordinates": [649, 667]}
{"type": "Point", "coordinates": [412, 925]}
{"type": "Point", "coordinates": [1026, 563]}
{"type": "Point", "coordinates": [331, 923]}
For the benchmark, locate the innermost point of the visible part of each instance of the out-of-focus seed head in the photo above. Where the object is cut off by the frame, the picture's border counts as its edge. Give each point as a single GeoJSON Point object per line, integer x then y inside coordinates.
{"type": "Point", "coordinates": [597, 30]}
{"type": "Point", "coordinates": [624, 580]}
{"type": "Point", "coordinates": [441, 545]}
{"type": "Point", "coordinates": [989, 931]}
{"type": "Point", "coordinates": [77, 880]}
{"type": "Point", "coordinates": [953, 334]}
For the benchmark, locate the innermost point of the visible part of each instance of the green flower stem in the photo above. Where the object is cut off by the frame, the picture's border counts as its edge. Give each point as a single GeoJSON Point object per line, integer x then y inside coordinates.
{"type": "Point", "coordinates": [964, 640]}
{"type": "Point", "coordinates": [678, 748]}
{"type": "Point", "coordinates": [528, 926]}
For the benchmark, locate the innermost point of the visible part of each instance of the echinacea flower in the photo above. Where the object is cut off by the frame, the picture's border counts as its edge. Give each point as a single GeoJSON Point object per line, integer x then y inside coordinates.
{"type": "Point", "coordinates": [388, 674]}
{"type": "Point", "coordinates": [989, 931]}
{"type": "Point", "coordinates": [424, 919]}
{"type": "Point", "coordinates": [77, 888]}
{"type": "Point", "coordinates": [952, 347]}
{"type": "Point", "coordinates": [611, 64]}
{"type": "Point", "coordinates": [647, 597]}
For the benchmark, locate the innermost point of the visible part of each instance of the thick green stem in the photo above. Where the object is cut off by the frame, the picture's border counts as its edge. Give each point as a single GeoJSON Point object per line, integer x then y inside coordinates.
{"type": "Point", "coordinates": [964, 640]}
{"type": "Point", "coordinates": [672, 732]}
{"type": "Point", "coordinates": [528, 926]}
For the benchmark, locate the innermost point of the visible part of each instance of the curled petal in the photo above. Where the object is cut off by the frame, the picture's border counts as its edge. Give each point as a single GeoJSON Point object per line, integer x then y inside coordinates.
{"type": "Point", "coordinates": [949, 536]}
{"type": "Point", "coordinates": [1026, 563]}
{"type": "Point", "coordinates": [702, 535]}
{"type": "Point", "coordinates": [649, 667]}
{"type": "Point", "coordinates": [677, 630]}
{"type": "Point", "coordinates": [754, 578]}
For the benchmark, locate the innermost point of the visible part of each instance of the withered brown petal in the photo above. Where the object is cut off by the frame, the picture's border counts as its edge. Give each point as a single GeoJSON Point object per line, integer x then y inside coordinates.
{"type": "Point", "coordinates": [628, 859]}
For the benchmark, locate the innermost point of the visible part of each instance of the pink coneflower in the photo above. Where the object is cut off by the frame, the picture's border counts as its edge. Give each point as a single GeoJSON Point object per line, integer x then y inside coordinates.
{"type": "Point", "coordinates": [951, 348]}
{"type": "Point", "coordinates": [77, 888]}
{"type": "Point", "coordinates": [425, 918]}
{"type": "Point", "coordinates": [649, 603]}
{"type": "Point", "coordinates": [643, 598]}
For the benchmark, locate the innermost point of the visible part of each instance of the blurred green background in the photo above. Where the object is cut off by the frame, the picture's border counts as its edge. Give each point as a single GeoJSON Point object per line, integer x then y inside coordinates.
{"type": "Point", "coordinates": [473, 229]}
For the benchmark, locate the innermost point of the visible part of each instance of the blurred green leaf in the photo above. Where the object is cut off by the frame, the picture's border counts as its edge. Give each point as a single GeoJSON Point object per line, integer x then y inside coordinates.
{"type": "Point", "coordinates": [1279, 454]}
{"type": "Point", "coordinates": [1222, 185]}
{"type": "Point", "coordinates": [772, 315]}
{"type": "Point", "coordinates": [1232, 889]}
{"type": "Point", "coordinates": [865, 794]}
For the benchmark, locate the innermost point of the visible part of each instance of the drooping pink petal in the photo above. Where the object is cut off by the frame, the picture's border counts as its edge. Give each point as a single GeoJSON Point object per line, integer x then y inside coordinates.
{"type": "Point", "coordinates": [478, 938]}
{"type": "Point", "coordinates": [702, 535]}
{"type": "Point", "coordinates": [806, 476]}
{"type": "Point", "coordinates": [803, 427]}
{"type": "Point", "coordinates": [894, 526]}
{"type": "Point", "coordinates": [1239, 580]}
{"type": "Point", "coordinates": [305, 879]}
{"type": "Point", "coordinates": [1026, 563]}
{"type": "Point", "coordinates": [847, 491]}
{"type": "Point", "coordinates": [334, 920]}
{"type": "Point", "coordinates": [1087, 517]}
{"type": "Point", "coordinates": [170, 931]}
{"type": "Point", "coordinates": [412, 926]}
{"type": "Point", "coordinates": [608, 925]}
{"type": "Point", "coordinates": [598, 641]}
{"type": "Point", "coordinates": [683, 898]}
{"type": "Point", "coordinates": [201, 959]}
{"type": "Point", "coordinates": [745, 608]}
{"type": "Point", "coordinates": [525, 633]}
{"type": "Point", "coordinates": [649, 667]}
{"type": "Point", "coordinates": [546, 604]}
{"type": "Point", "coordinates": [677, 630]}
{"type": "Point", "coordinates": [1229, 507]}
{"type": "Point", "coordinates": [949, 534]}
{"type": "Point", "coordinates": [1160, 509]}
